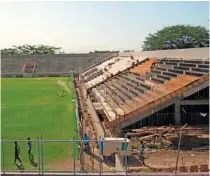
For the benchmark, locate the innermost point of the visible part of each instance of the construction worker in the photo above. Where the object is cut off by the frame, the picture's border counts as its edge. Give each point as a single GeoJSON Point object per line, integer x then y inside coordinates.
{"type": "Point", "coordinates": [86, 143]}
{"type": "Point", "coordinates": [141, 149]}
{"type": "Point", "coordinates": [153, 64]}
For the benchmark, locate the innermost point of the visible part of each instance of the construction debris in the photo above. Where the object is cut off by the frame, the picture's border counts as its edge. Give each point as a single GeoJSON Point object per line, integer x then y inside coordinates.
{"type": "Point", "coordinates": [167, 137]}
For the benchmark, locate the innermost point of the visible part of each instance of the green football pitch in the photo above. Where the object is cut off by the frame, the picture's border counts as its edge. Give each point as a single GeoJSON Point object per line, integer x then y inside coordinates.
{"type": "Point", "coordinates": [33, 107]}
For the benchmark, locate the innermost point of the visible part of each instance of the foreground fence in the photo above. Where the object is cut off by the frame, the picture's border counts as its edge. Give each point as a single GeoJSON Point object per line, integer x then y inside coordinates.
{"type": "Point", "coordinates": [59, 156]}
{"type": "Point", "coordinates": [62, 156]}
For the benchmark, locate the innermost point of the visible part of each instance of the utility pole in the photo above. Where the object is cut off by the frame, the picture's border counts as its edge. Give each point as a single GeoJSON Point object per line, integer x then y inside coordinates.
{"type": "Point", "coordinates": [180, 138]}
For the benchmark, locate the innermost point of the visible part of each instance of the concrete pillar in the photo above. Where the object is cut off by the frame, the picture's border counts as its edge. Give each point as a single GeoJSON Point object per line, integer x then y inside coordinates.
{"type": "Point", "coordinates": [177, 111]}
{"type": "Point", "coordinates": [118, 164]}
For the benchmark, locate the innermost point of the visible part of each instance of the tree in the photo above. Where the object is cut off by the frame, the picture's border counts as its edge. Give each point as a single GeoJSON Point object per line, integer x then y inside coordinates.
{"type": "Point", "coordinates": [177, 37]}
{"type": "Point", "coordinates": [96, 51]}
{"type": "Point", "coordinates": [31, 49]}
{"type": "Point", "coordinates": [128, 51]}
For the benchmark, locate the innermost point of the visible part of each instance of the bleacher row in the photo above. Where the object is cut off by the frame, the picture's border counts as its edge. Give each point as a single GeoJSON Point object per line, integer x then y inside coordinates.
{"type": "Point", "coordinates": [53, 63]}
{"type": "Point", "coordinates": [142, 84]}
{"type": "Point", "coordinates": [172, 68]}
{"type": "Point", "coordinates": [107, 69]}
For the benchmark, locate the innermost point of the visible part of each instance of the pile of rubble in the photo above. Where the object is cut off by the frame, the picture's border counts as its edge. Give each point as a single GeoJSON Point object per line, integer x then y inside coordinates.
{"type": "Point", "coordinates": [194, 138]}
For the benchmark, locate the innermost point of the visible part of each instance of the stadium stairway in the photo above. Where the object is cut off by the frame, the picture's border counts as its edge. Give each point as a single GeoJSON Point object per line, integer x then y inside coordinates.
{"type": "Point", "coordinates": [142, 88]}
{"type": "Point", "coordinates": [29, 67]}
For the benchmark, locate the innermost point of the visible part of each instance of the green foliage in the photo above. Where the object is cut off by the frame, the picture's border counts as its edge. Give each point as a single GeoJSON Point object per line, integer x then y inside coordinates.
{"type": "Point", "coordinates": [31, 108]}
{"type": "Point", "coordinates": [153, 146]}
{"type": "Point", "coordinates": [96, 51]}
{"type": "Point", "coordinates": [31, 49]}
{"type": "Point", "coordinates": [177, 37]}
{"type": "Point", "coordinates": [128, 51]}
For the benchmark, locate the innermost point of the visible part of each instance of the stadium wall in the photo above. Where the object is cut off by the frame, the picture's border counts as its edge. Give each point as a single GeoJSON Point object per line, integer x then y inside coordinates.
{"type": "Point", "coordinates": [19, 75]}
{"type": "Point", "coordinates": [111, 174]}
{"type": "Point", "coordinates": [73, 62]}
{"type": "Point", "coordinates": [192, 53]}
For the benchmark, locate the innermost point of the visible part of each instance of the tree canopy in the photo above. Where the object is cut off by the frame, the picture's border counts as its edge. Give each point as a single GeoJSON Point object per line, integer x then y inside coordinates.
{"type": "Point", "coordinates": [97, 51]}
{"type": "Point", "coordinates": [177, 37]}
{"type": "Point", "coordinates": [31, 49]}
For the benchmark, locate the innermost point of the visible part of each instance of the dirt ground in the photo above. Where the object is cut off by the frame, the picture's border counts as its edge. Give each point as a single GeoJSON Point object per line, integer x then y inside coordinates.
{"type": "Point", "coordinates": [161, 159]}
{"type": "Point", "coordinates": [67, 164]}
{"type": "Point", "coordinates": [91, 163]}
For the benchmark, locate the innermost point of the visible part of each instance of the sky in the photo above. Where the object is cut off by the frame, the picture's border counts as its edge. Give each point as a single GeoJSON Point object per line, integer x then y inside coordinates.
{"type": "Point", "coordinates": [80, 27]}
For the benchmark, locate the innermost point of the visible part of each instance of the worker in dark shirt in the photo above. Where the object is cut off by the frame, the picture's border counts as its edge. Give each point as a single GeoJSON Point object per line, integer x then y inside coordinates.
{"type": "Point", "coordinates": [17, 153]}
{"type": "Point", "coordinates": [141, 149]}
{"type": "Point", "coordinates": [29, 145]}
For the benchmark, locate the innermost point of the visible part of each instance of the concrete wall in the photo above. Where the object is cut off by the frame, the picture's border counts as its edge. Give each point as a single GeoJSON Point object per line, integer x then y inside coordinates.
{"type": "Point", "coordinates": [194, 53]}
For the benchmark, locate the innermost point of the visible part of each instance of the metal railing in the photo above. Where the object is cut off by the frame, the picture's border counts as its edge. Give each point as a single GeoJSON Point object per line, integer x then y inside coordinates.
{"type": "Point", "coordinates": [64, 157]}
{"type": "Point", "coordinates": [53, 156]}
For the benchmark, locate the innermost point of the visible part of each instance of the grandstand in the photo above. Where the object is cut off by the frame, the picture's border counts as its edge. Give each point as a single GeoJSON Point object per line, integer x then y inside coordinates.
{"type": "Point", "coordinates": [131, 94]}
{"type": "Point", "coordinates": [121, 92]}
{"type": "Point", "coordinates": [46, 65]}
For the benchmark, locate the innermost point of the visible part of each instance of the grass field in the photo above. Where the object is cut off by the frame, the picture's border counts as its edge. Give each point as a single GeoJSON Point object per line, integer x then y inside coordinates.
{"type": "Point", "coordinates": [32, 108]}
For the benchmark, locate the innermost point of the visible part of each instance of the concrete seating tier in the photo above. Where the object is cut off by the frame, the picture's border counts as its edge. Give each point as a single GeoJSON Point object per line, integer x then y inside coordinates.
{"type": "Point", "coordinates": [110, 94]}
{"type": "Point", "coordinates": [181, 68]}
{"type": "Point", "coordinates": [162, 73]}
{"type": "Point", "coordinates": [107, 109]}
{"type": "Point", "coordinates": [186, 61]}
{"type": "Point", "coordinates": [203, 65]}
{"type": "Point", "coordinates": [52, 63]}
{"type": "Point", "coordinates": [205, 70]}
{"type": "Point", "coordinates": [171, 63]}
{"type": "Point", "coordinates": [143, 68]}
{"type": "Point", "coordinates": [194, 73]}
{"type": "Point", "coordinates": [113, 93]}
{"type": "Point", "coordinates": [128, 92]}
{"type": "Point", "coordinates": [12, 65]}
{"type": "Point", "coordinates": [94, 75]}
{"type": "Point", "coordinates": [134, 80]}
{"type": "Point", "coordinates": [187, 64]}
{"type": "Point", "coordinates": [158, 80]}
{"type": "Point", "coordinates": [110, 68]}
{"type": "Point", "coordinates": [173, 89]}
{"type": "Point", "coordinates": [109, 99]}
{"type": "Point", "coordinates": [135, 75]}
{"type": "Point", "coordinates": [176, 71]}
{"type": "Point", "coordinates": [90, 71]}
{"type": "Point", "coordinates": [136, 87]}
{"type": "Point", "coordinates": [164, 77]}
